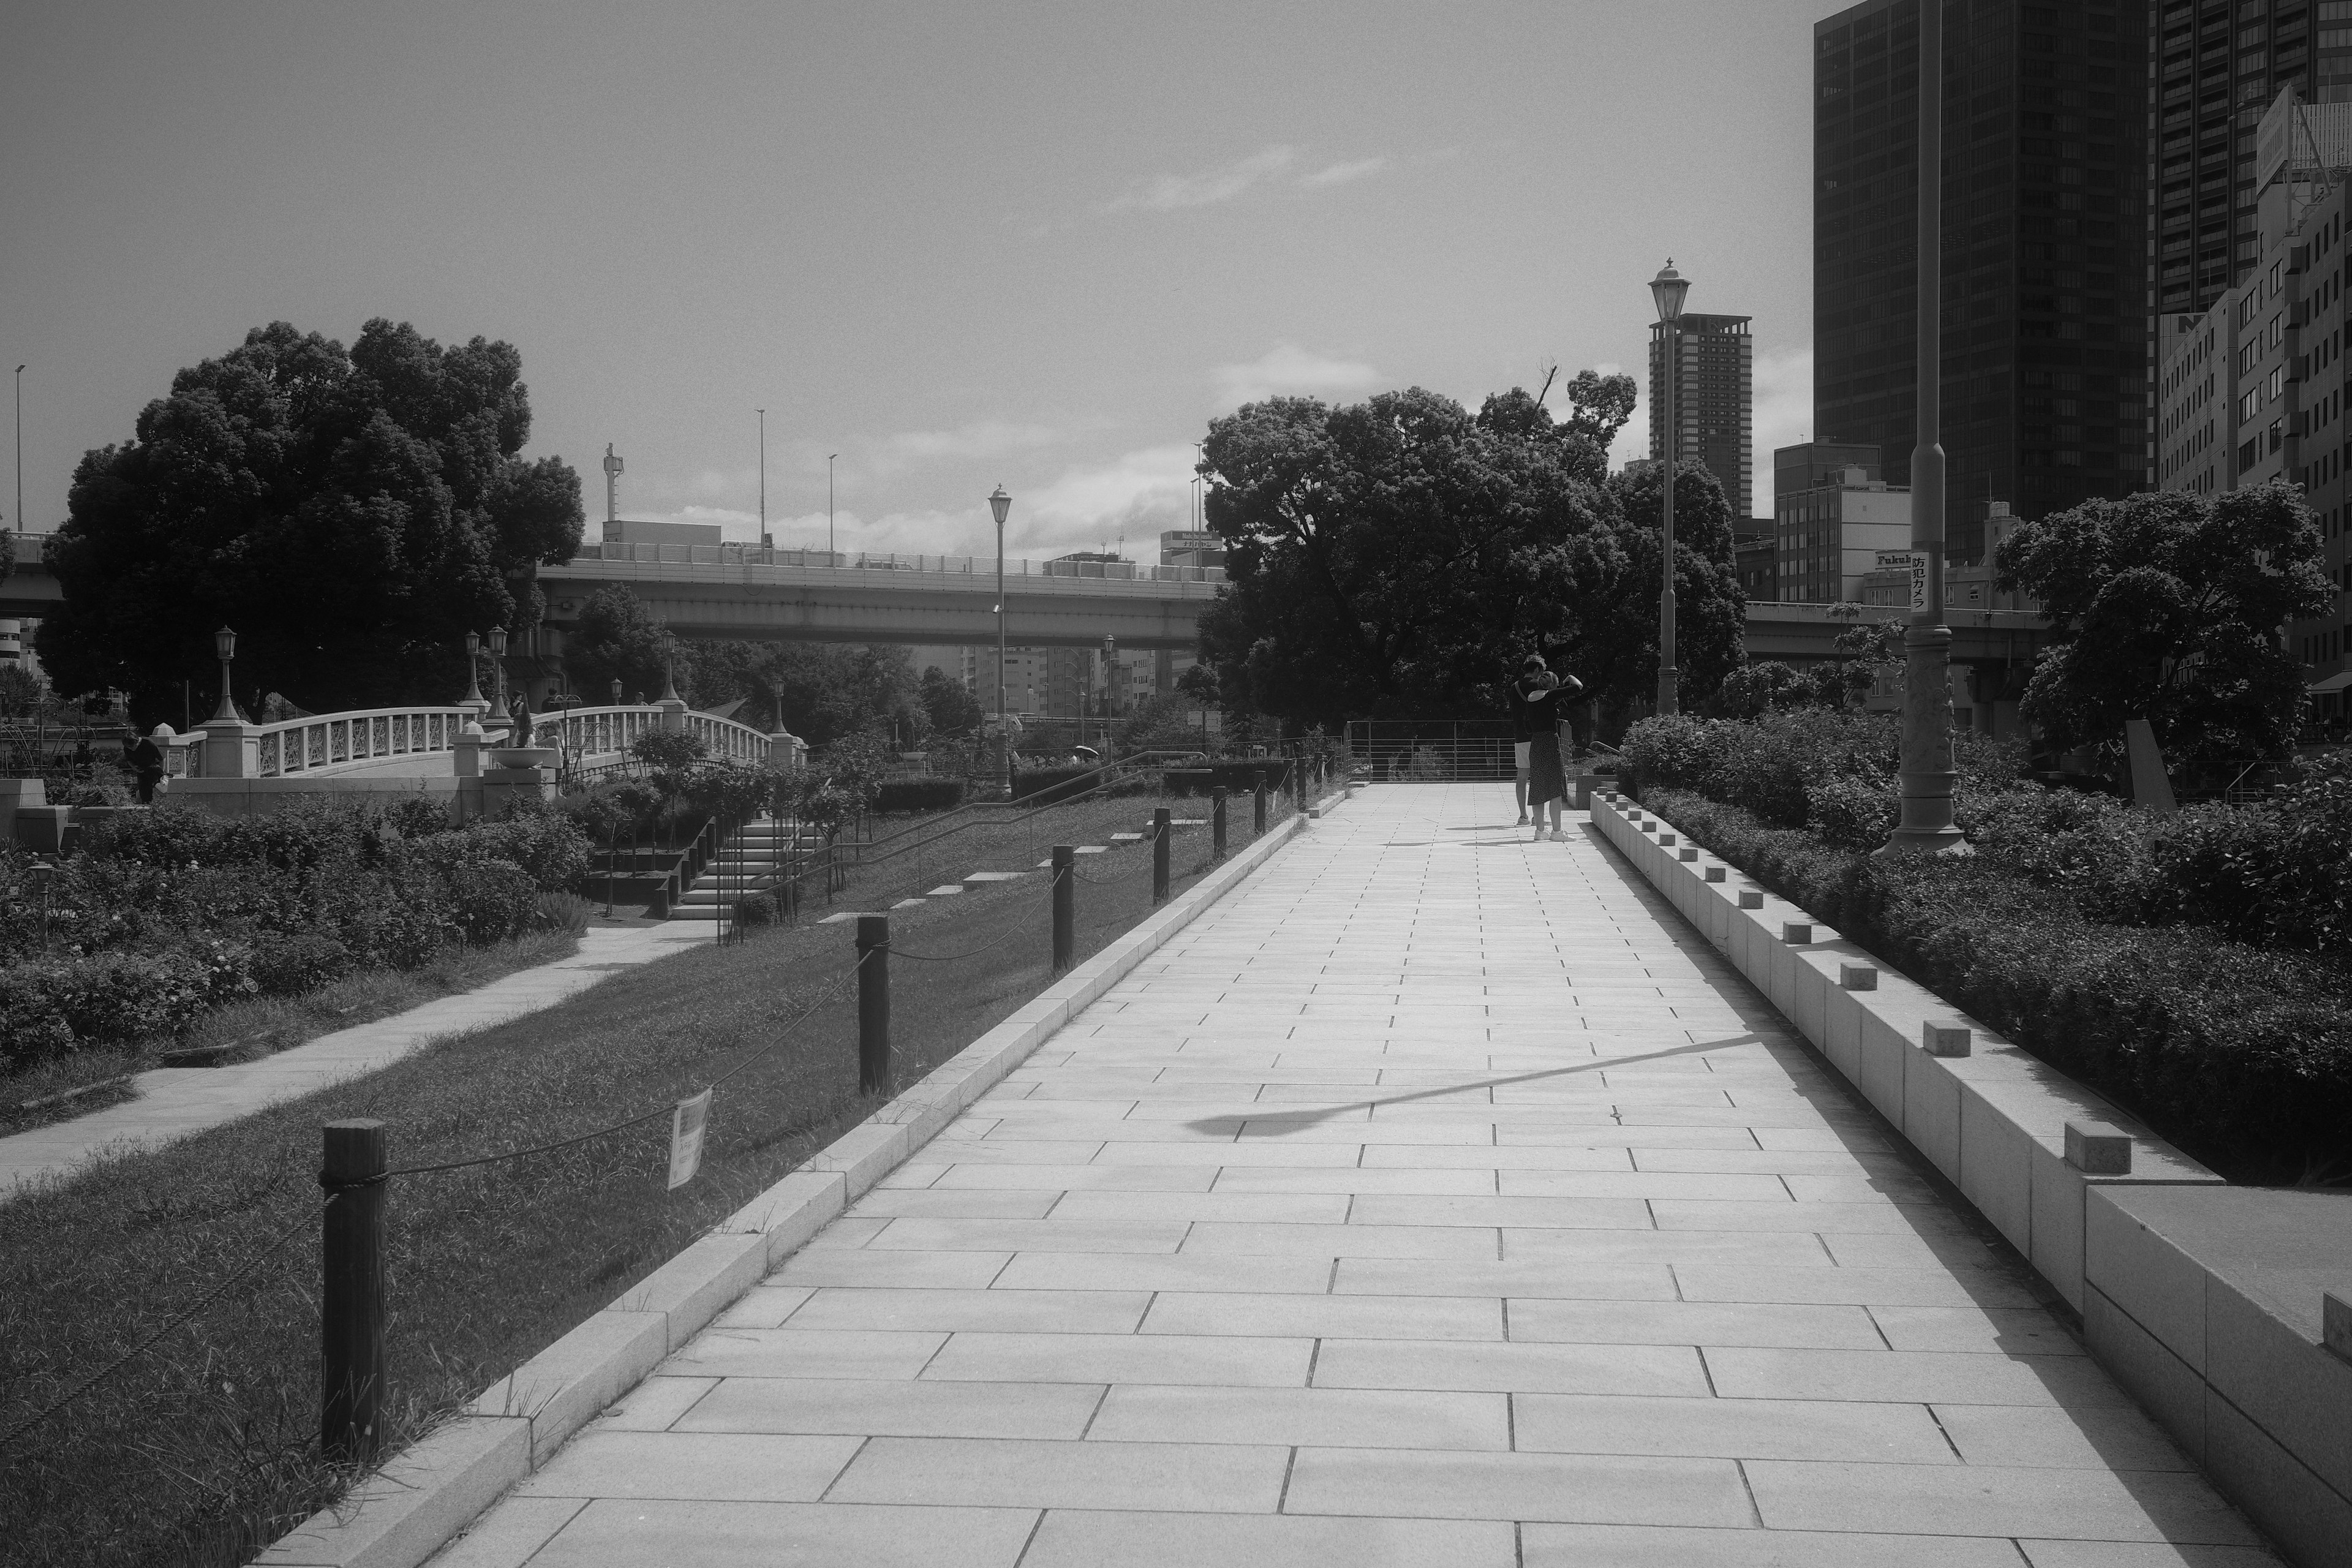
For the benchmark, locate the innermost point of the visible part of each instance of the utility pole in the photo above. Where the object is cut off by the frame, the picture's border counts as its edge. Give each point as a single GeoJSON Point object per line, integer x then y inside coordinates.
{"type": "Point", "coordinates": [829, 545]}
{"type": "Point", "coordinates": [765, 543]}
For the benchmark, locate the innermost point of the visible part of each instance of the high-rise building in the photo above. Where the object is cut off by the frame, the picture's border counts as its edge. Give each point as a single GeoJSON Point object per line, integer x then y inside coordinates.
{"type": "Point", "coordinates": [2045, 335]}
{"type": "Point", "coordinates": [1714, 399]}
{"type": "Point", "coordinates": [1831, 515]}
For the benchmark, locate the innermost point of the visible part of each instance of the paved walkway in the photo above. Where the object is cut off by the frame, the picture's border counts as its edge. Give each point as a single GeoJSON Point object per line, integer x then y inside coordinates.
{"type": "Point", "coordinates": [173, 1102]}
{"type": "Point", "coordinates": [1438, 1199]}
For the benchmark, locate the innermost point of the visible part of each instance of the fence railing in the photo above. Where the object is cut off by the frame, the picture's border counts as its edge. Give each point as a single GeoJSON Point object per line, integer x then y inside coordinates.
{"type": "Point", "coordinates": [729, 554]}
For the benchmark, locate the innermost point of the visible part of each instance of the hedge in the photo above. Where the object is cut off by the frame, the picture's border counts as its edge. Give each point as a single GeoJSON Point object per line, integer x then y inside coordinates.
{"type": "Point", "coordinates": [2240, 1055]}
{"type": "Point", "coordinates": [920, 794]}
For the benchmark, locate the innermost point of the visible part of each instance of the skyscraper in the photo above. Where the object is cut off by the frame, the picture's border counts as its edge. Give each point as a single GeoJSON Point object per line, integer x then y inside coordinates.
{"type": "Point", "coordinates": [1714, 399]}
{"type": "Point", "coordinates": [2047, 335]}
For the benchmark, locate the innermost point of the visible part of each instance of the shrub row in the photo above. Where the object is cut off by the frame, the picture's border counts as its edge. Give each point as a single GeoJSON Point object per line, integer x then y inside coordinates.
{"type": "Point", "coordinates": [2240, 1055]}
{"type": "Point", "coordinates": [919, 794]}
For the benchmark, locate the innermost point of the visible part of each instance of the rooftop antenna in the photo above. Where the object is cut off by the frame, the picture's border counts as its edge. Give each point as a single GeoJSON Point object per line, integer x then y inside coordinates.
{"type": "Point", "coordinates": [612, 493]}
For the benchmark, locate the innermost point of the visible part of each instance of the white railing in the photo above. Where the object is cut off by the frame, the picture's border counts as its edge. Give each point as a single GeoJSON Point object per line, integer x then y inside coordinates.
{"type": "Point", "coordinates": [726, 741]}
{"type": "Point", "coordinates": [869, 561]}
{"type": "Point", "coordinates": [337, 740]}
{"type": "Point", "coordinates": [584, 733]}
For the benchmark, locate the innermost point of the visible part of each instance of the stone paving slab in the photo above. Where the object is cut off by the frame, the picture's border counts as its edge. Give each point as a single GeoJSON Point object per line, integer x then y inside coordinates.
{"type": "Point", "coordinates": [1439, 1198]}
{"type": "Point", "coordinates": [173, 1102]}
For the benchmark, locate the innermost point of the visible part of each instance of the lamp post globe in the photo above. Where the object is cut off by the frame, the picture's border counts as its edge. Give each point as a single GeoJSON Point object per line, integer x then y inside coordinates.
{"type": "Point", "coordinates": [1000, 503]}
{"type": "Point", "coordinates": [1668, 288]}
{"type": "Point", "coordinates": [224, 648]}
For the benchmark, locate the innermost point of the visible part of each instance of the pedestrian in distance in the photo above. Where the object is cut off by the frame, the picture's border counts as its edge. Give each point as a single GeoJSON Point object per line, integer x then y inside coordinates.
{"type": "Point", "coordinates": [1519, 746]}
{"type": "Point", "coordinates": [1547, 698]}
{"type": "Point", "coordinates": [146, 761]}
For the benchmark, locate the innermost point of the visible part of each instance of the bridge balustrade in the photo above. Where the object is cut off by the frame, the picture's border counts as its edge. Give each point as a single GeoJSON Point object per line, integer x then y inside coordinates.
{"type": "Point", "coordinates": [328, 740]}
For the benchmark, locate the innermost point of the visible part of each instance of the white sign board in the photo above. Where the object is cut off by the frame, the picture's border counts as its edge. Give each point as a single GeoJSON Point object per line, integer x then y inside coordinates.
{"type": "Point", "coordinates": [1913, 561]}
{"type": "Point", "coordinates": [686, 1125]}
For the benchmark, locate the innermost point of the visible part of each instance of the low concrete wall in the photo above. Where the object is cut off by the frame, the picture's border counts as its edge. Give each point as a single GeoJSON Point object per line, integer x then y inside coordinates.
{"type": "Point", "coordinates": [2203, 1300]}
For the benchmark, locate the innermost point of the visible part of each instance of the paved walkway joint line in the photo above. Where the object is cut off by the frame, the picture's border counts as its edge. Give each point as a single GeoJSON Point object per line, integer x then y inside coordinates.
{"type": "Point", "coordinates": [1437, 1199]}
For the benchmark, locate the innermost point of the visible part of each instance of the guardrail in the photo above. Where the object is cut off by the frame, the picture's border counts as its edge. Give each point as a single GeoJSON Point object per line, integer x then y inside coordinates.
{"type": "Point", "coordinates": [330, 739]}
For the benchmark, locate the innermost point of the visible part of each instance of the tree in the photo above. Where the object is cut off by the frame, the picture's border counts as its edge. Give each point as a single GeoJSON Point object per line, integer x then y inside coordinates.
{"type": "Point", "coordinates": [1599, 406]}
{"type": "Point", "coordinates": [951, 707]}
{"type": "Point", "coordinates": [352, 515]}
{"type": "Point", "coordinates": [1198, 685]}
{"type": "Point", "coordinates": [1397, 558]}
{"type": "Point", "coordinates": [2168, 607]}
{"type": "Point", "coordinates": [615, 639]}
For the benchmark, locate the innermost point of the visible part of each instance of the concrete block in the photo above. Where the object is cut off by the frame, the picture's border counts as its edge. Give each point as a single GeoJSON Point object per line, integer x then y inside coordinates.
{"type": "Point", "coordinates": [2335, 1324]}
{"type": "Point", "coordinates": [1810, 992]}
{"type": "Point", "coordinates": [1778, 964]}
{"type": "Point", "coordinates": [1650, 825]}
{"type": "Point", "coordinates": [792, 1211]}
{"type": "Point", "coordinates": [564, 1386]}
{"type": "Point", "coordinates": [2058, 1235]}
{"type": "Point", "coordinates": [1841, 1038]}
{"type": "Point", "coordinates": [2280, 1380]}
{"type": "Point", "coordinates": [1715, 873]}
{"type": "Point", "coordinates": [1667, 840]}
{"type": "Point", "coordinates": [2098, 1148]}
{"type": "Point", "coordinates": [2164, 1385]}
{"type": "Point", "coordinates": [1795, 932]}
{"type": "Point", "coordinates": [1931, 1111]}
{"type": "Point", "coordinates": [422, 1497]}
{"type": "Point", "coordinates": [1751, 897]}
{"type": "Point", "coordinates": [1996, 1164]}
{"type": "Point", "coordinates": [1881, 1052]}
{"type": "Point", "coordinates": [1945, 1040]}
{"type": "Point", "coordinates": [1858, 976]}
{"type": "Point", "coordinates": [694, 1287]}
{"type": "Point", "coordinates": [2310, 1520]}
{"type": "Point", "coordinates": [42, 829]}
{"type": "Point", "coordinates": [1689, 855]}
{"type": "Point", "coordinates": [862, 1155]}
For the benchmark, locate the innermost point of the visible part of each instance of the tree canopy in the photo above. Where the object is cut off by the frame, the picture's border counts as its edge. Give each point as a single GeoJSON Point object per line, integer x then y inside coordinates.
{"type": "Point", "coordinates": [2166, 606]}
{"type": "Point", "coordinates": [951, 707]}
{"type": "Point", "coordinates": [1397, 557]}
{"type": "Point", "coordinates": [352, 515]}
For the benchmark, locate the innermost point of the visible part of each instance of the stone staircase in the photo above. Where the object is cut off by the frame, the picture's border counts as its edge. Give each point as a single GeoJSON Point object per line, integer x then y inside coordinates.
{"type": "Point", "coordinates": [753, 861]}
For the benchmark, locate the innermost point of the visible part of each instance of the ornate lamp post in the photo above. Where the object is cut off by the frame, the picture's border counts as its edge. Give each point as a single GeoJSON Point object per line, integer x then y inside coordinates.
{"type": "Point", "coordinates": [1000, 503]}
{"type": "Point", "coordinates": [224, 647]}
{"type": "Point", "coordinates": [1669, 289]}
{"type": "Point", "coordinates": [474, 698]}
{"type": "Point", "coordinates": [499, 668]}
{"type": "Point", "coordinates": [1925, 776]}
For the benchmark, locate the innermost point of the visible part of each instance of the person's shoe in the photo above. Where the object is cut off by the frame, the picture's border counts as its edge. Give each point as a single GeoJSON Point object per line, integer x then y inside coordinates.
{"type": "Point", "coordinates": [1558, 835]}
{"type": "Point", "coordinates": [1523, 820]}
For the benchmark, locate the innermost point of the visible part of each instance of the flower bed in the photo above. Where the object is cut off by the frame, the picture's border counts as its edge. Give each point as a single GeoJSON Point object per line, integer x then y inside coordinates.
{"type": "Point", "coordinates": [169, 914]}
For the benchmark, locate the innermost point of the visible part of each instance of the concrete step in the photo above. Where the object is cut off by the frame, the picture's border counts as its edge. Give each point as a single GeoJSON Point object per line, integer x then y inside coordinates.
{"type": "Point", "coordinates": [983, 879]}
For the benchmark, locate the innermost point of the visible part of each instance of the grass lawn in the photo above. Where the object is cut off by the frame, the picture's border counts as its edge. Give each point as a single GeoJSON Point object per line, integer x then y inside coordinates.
{"type": "Point", "coordinates": [203, 1448]}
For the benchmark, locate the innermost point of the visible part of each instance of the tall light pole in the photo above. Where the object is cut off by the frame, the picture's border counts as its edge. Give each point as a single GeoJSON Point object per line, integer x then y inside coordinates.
{"type": "Point", "coordinates": [1669, 289]}
{"type": "Point", "coordinates": [765, 541]}
{"type": "Point", "coordinates": [225, 647]}
{"type": "Point", "coordinates": [1000, 503]}
{"type": "Point", "coordinates": [20, 448]}
{"type": "Point", "coordinates": [829, 545]}
{"type": "Point", "coordinates": [1925, 775]}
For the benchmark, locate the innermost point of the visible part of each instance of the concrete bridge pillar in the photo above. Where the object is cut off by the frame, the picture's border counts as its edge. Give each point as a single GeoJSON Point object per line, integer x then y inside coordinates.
{"type": "Point", "coordinates": [232, 749]}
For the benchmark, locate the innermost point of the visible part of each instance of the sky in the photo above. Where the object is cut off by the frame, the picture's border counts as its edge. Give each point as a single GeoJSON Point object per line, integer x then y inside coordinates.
{"type": "Point", "coordinates": [946, 247]}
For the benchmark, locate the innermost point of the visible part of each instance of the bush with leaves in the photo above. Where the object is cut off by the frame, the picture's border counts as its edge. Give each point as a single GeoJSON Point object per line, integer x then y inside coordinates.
{"type": "Point", "coordinates": [669, 750]}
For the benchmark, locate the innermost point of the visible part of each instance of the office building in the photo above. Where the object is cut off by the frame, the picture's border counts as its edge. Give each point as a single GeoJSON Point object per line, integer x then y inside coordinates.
{"type": "Point", "coordinates": [2253, 388]}
{"type": "Point", "coordinates": [2045, 338]}
{"type": "Point", "coordinates": [1830, 524]}
{"type": "Point", "coordinates": [1714, 399]}
{"type": "Point", "coordinates": [1755, 554]}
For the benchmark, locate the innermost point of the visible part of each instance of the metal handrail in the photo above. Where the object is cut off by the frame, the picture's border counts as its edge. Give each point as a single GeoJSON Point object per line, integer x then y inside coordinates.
{"type": "Point", "coordinates": [1138, 763]}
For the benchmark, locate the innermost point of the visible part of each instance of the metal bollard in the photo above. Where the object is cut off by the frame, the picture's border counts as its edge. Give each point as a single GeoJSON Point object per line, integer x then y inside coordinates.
{"type": "Point", "coordinates": [1217, 822]}
{"type": "Point", "coordinates": [350, 1299]}
{"type": "Point", "coordinates": [1259, 774]}
{"type": "Point", "coordinates": [1065, 906]}
{"type": "Point", "coordinates": [873, 1003]}
{"type": "Point", "coordinates": [1160, 833]}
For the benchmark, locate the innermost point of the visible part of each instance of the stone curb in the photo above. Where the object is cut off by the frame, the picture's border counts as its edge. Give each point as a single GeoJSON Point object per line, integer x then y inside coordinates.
{"type": "Point", "coordinates": [421, 1497]}
{"type": "Point", "coordinates": [1991, 1117]}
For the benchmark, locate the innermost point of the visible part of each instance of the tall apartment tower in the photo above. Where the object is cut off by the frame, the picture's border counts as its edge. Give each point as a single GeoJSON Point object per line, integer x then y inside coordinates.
{"type": "Point", "coordinates": [1715, 401]}
{"type": "Point", "coordinates": [2045, 335]}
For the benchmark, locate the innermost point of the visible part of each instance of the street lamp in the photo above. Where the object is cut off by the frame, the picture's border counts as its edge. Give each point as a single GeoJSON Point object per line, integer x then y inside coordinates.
{"type": "Point", "coordinates": [829, 547]}
{"type": "Point", "coordinates": [499, 668]}
{"type": "Point", "coordinates": [472, 697]}
{"type": "Point", "coordinates": [1000, 503]}
{"type": "Point", "coordinates": [1924, 776]}
{"type": "Point", "coordinates": [20, 448]}
{"type": "Point", "coordinates": [225, 650]}
{"type": "Point", "coordinates": [765, 541]}
{"type": "Point", "coordinates": [1668, 288]}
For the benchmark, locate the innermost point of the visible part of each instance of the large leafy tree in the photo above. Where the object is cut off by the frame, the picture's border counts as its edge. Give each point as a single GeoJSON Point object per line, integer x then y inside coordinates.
{"type": "Point", "coordinates": [351, 514]}
{"type": "Point", "coordinates": [615, 639]}
{"type": "Point", "coordinates": [2168, 607]}
{"type": "Point", "coordinates": [949, 704]}
{"type": "Point", "coordinates": [1395, 558]}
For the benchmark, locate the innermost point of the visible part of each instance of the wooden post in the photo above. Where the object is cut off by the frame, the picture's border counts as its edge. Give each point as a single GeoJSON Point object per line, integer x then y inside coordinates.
{"type": "Point", "coordinates": [1217, 821]}
{"type": "Point", "coordinates": [873, 1003]}
{"type": "Point", "coordinates": [1065, 906]}
{"type": "Point", "coordinates": [1160, 833]}
{"type": "Point", "coordinates": [350, 1301]}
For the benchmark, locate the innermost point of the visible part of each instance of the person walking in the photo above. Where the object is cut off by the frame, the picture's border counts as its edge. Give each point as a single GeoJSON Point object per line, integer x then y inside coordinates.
{"type": "Point", "coordinates": [1519, 741]}
{"type": "Point", "coordinates": [146, 760]}
{"type": "Point", "coordinates": [1547, 698]}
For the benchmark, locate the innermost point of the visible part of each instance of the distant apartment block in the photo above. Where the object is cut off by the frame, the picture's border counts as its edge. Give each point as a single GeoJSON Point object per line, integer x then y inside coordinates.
{"type": "Point", "coordinates": [1715, 360]}
{"type": "Point", "coordinates": [1831, 515]}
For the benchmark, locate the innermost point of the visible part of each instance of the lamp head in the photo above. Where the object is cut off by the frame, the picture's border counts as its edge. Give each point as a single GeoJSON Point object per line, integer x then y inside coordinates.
{"type": "Point", "coordinates": [1000, 503]}
{"type": "Point", "coordinates": [225, 644]}
{"type": "Point", "coordinates": [497, 641]}
{"type": "Point", "coordinates": [473, 645]}
{"type": "Point", "coordinates": [1668, 288]}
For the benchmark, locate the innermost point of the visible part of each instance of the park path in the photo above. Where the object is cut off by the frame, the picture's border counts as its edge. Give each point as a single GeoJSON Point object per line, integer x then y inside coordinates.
{"type": "Point", "coordinates": [173, 1102]}
{"type": "Point", "coordinates": [1437, 1200]}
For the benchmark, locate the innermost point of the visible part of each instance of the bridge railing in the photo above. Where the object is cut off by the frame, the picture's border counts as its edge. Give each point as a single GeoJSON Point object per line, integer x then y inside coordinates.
{"type": "Point", "coordinates": [606, 732]}
{"type": "Point", "coordinates": [730, 555]}
{"type": "Point", "coordinates": [331, 739]}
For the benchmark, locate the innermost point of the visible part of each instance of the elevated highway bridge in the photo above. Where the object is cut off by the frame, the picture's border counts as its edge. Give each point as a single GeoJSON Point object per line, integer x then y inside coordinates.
{"type": "Point", "coordinates": [744, 591]}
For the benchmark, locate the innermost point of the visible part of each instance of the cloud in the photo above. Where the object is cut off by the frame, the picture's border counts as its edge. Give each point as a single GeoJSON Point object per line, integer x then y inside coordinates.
{"type": "Point", "coordinates": [1167, 193]}
{"type": "Point", "coordinates": [979, 438]}
{"type": "Point", "coordinates": [1343, 174]}
{"type": "Point", "coordinates": [1288, 368]}
{"type": "Point", "coordinates": [1784, 413]}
